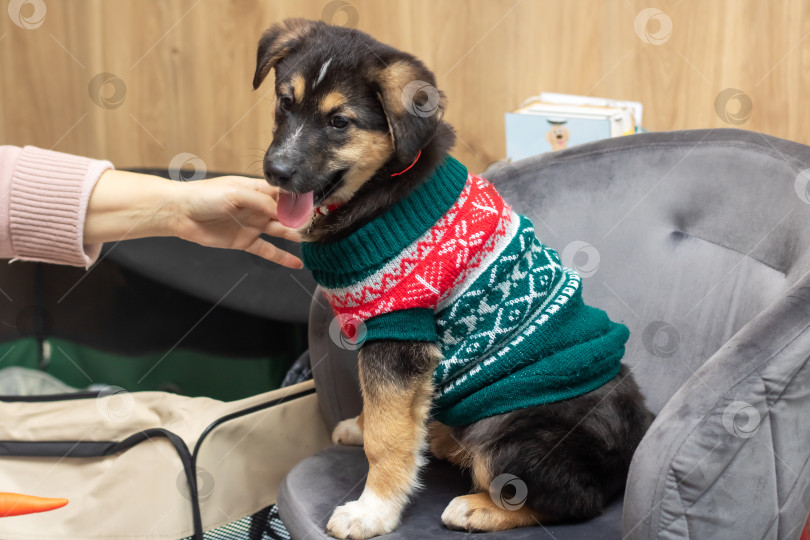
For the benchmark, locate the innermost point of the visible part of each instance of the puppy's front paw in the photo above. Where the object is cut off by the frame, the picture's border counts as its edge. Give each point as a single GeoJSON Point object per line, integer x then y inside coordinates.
{"type": "Point", "coordinates": [348, 432]}
{"type": "Point", "coordinates": [360, 519]}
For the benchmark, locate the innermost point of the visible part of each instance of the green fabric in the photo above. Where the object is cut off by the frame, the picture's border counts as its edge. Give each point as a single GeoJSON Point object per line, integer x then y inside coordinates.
{"type": "Point", "coordinates": [416, 324]}
{"type": "Point", "coordinates": [577, 354]}
{"type": "Point", "coordinates": [520, 335]}
{"type": "Point", "coordinates": [341, 263]}
{"type": "Point", "coordinates": [23, 352]}
{"type": "Point", "coordinates": [190, 372]}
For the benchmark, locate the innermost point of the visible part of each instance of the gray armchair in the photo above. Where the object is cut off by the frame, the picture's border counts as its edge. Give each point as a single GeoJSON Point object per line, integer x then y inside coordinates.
{"type": "Point", "coordinates": [699, 241]}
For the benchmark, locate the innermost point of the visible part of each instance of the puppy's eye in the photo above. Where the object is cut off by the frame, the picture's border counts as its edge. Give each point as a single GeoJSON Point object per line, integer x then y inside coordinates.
{"type": "Point", "coordinates": [339, 122]}
{"type": "Point", "coordinates": [286, 102]}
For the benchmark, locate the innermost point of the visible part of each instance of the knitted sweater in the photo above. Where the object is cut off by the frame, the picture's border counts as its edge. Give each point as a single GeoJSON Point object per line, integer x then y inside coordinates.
{"type": "Point", "coordinates": [454, 265]}
{"type": "Point", "coordinates": [43, 202]}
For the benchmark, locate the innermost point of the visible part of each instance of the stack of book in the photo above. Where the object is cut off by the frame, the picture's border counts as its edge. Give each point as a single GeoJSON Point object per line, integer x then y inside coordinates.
{"type": "Point", "coordinates": [551, 122]}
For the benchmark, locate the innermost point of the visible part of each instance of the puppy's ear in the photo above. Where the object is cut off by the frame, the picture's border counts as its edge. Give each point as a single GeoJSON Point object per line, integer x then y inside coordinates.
{"type": "Point", "coordinates": [277, 42]}
{"type": "Point", "coordinates": [413, 105]}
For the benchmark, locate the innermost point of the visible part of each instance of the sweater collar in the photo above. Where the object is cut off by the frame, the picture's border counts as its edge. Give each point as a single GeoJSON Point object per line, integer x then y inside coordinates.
{"type": "Point", "coordinates": [383, 238]}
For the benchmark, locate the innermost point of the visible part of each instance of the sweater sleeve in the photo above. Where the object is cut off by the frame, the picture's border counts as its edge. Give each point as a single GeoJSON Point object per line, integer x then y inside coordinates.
{"type": "Point", "coordinates": [43, 203]}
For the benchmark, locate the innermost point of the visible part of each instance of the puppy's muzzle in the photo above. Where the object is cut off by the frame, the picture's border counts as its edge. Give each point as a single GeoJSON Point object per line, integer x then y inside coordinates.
{"type": "Point", "coordinates": [279, 171]}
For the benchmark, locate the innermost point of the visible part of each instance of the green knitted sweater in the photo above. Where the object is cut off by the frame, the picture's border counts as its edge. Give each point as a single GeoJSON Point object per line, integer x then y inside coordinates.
{"type": "Point", "coordinates": [454, 265]}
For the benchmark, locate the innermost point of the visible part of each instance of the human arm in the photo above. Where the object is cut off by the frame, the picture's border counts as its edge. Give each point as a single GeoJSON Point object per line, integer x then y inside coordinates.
{"type": "Point", "coordinates": [226, 212]}
{"type": "Point", "coordinates": [59, 208]}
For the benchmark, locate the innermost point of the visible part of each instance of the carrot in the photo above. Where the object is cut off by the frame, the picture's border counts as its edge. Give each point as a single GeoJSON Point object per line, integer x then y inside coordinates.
{"type": "Point", "coordinates": [14, 504]}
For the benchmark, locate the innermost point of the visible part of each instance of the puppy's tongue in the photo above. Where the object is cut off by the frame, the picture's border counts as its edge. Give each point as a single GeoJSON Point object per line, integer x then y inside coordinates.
{"type": "Point", "coordinates": [294, 210]}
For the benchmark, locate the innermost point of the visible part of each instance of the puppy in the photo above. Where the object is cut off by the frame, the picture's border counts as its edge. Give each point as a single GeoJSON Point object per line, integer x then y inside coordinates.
{"type": "Point", "coordinates": [476, 337]}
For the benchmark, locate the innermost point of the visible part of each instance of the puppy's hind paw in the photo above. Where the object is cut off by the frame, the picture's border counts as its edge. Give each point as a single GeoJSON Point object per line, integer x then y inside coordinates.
{"type": "Point", "coordinates": [459, 515]}
{"type": "Point", "coordinates": [348, 432]}
{"type": "Point", "coordinates": [477, 512]}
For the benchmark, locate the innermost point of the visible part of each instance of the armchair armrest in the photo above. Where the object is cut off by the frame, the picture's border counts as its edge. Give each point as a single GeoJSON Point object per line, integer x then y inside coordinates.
{"type": "Point", "coordinates": [729, 455]}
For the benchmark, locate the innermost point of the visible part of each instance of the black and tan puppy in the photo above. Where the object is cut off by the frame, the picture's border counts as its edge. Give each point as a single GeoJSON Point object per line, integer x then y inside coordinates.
{"type": "Point", "coordinates": [526, 384]}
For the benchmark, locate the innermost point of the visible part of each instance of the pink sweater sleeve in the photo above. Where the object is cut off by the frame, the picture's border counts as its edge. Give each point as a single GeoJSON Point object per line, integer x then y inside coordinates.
{"type": "Point", "coordinates": [43, 202]}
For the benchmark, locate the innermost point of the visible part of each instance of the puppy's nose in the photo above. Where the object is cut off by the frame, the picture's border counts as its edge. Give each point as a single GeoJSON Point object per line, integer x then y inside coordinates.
{"type": "Point", "coordinates": [281, 171]}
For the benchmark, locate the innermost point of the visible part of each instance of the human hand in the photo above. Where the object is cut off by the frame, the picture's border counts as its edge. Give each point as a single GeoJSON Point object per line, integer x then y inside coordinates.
{"type": "Point", "coordinates": [231, 212]}
{"type": "Point", "coordinates": [225, 212]}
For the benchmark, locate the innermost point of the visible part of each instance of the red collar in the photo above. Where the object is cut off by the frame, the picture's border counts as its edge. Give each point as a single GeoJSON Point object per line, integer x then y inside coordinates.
{"type": "Point", "coordinates": [326, 209]}
{"type": "Point", "coordinates": [409, 166]}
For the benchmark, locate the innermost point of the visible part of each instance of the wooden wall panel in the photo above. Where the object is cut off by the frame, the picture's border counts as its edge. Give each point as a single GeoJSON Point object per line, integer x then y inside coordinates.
{"type": "Point", "coordinates": [187, 66]}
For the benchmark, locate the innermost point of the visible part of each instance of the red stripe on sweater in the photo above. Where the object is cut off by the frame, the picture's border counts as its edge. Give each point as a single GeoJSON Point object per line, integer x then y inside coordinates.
{"type": "Point", "coordinates": [455, 245]}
